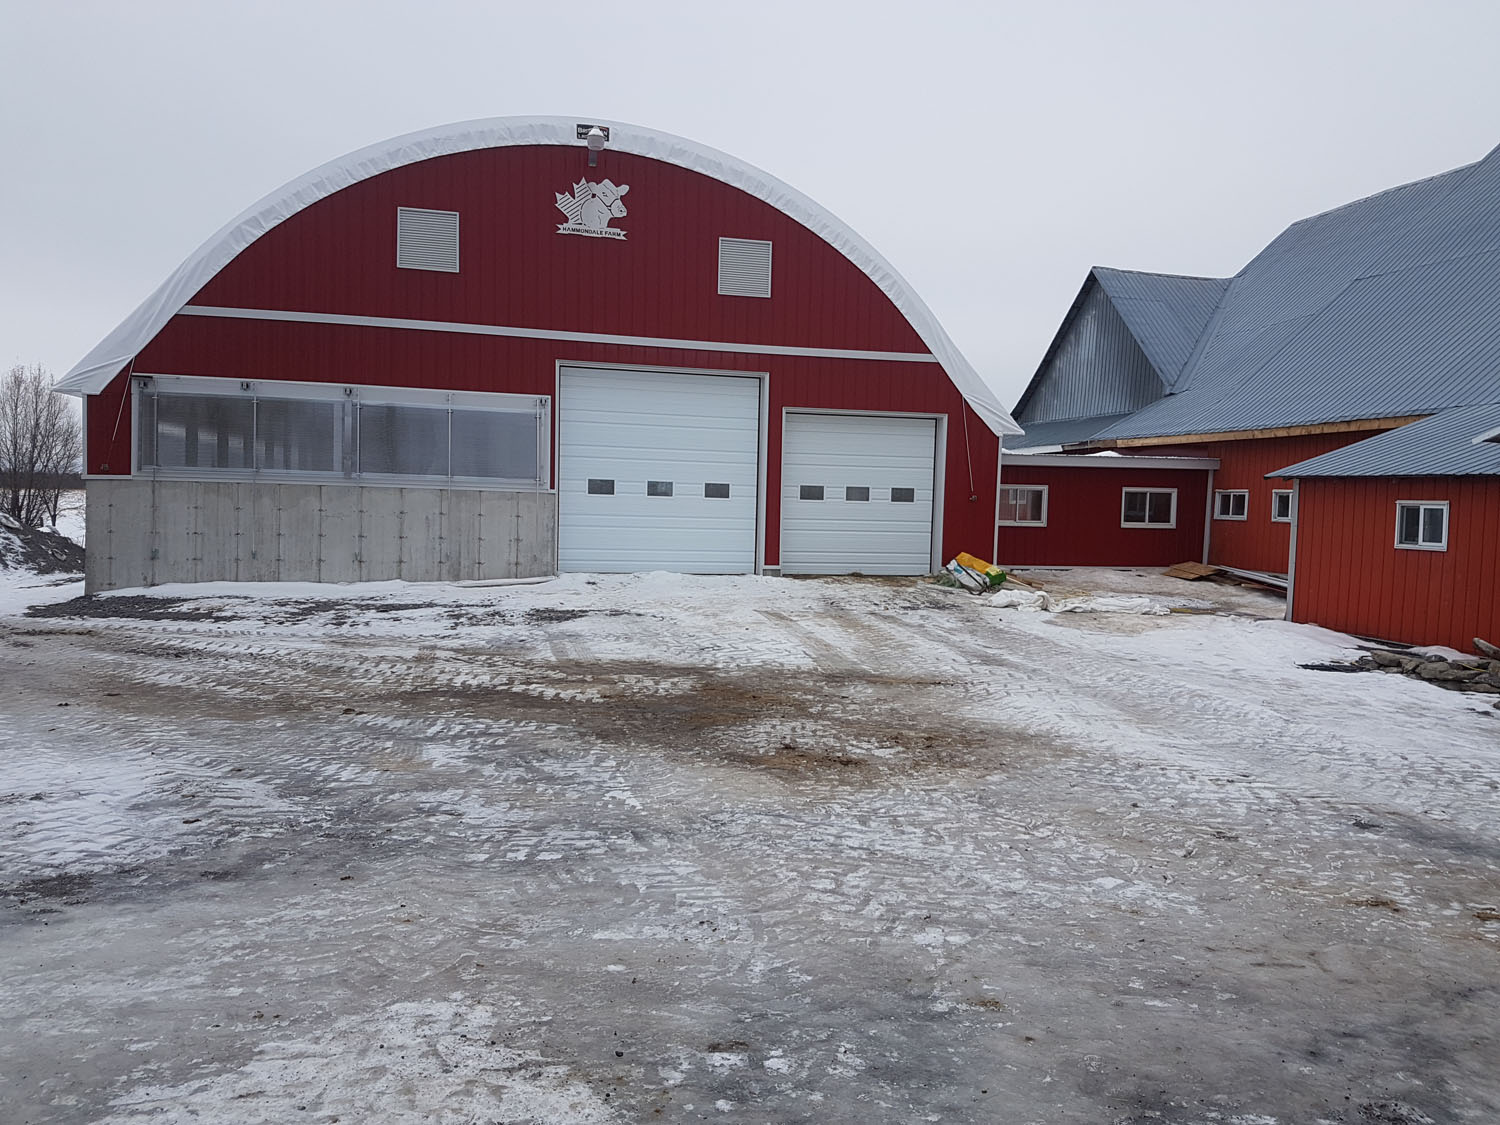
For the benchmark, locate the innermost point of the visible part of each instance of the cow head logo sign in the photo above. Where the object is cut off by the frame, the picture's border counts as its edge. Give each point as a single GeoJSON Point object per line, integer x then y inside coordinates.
{"type": "Point", "coordinates": [590, 208]}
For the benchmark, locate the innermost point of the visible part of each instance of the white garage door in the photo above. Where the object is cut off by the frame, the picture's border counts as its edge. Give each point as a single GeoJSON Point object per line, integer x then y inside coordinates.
{"type": "Point", "coordinates": [856, 494]}
{"type": "Point", "coordinates": [657, 471]}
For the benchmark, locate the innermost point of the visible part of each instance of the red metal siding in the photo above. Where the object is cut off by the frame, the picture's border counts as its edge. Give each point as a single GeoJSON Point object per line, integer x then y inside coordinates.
{"type": "Point", "coordinates": [338, 256]}
{"type": "Point", "coordinates": [1255, 543]}
{"type": "Point", "coordinates": [1351, 577]}
{"type": "Point", "coordinates": [107, 430]}
{"type": "Point", "coordinates": [1083, 518]}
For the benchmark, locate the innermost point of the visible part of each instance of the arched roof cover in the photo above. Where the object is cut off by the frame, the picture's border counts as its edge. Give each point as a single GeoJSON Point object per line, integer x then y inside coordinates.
{"type": "Point", "coordinates": [94, 372]}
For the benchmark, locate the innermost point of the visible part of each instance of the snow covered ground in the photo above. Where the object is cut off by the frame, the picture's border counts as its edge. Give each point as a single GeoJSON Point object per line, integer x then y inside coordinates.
{"type": "Point", "coordinates": [657, 847]}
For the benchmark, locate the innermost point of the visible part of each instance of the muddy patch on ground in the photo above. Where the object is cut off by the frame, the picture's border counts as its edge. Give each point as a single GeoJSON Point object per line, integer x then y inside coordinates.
{"type": "Point", "coordinates": [856, 723]}
{"type": "Point", "coordinates": [139, 607]}
{"type": "Point", "coordinates": [69, 889]}
{"type": "Point", "coordinates": [782, 722]}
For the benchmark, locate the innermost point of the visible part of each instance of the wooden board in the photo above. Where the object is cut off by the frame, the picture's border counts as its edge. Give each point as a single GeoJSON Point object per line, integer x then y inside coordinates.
{"type": "Point", "coordinates": [1190, 571]}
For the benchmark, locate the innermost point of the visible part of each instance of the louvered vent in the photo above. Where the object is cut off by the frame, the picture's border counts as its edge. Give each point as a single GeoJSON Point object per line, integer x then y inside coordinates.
{"type": "Point", "coordinates": [744, 268]}
{"type": "Point", "coordinates": [426, 240]}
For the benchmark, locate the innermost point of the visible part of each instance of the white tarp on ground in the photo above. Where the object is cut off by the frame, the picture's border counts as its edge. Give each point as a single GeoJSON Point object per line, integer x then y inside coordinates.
{"type": "Point", "coordinates": [101, 365]}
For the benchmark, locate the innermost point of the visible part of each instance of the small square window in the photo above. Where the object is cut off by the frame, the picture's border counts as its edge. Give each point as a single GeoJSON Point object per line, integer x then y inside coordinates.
{"type": "Point", "coordinates": [1281, 505]}
{"type": "Point", "coordinates": [903, 496]}
{"type": "Point", "coordinates": [601, 487]}
{"type": "Point", "coordinates": [1148, 507]}
{"type": "Point", "coordinates": [1023, 506]}
{"type": "Point", "coordinates": [1422, 525]}
{"type": "Point", "coordinates": [716, 491]}
{"type": "Point", "coordinates": [1232, 504]}
{"type": "Point", "coordinates": [810, 492]}
{"type": "Point", "coordinates": [658, 488]}
{"type": "Point", "coordinates": [856, 493]}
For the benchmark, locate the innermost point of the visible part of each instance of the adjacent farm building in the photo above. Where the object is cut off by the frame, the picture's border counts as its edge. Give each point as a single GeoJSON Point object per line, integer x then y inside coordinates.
{"type": "Point", "coordinates": [514, 346]}
{"type": "Point", "coordinates": [1335, 398]}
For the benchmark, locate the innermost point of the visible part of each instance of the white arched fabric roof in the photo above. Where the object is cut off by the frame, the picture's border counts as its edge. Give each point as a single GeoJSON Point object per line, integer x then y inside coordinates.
{"type": "Point", "coordinates": [94, 372]}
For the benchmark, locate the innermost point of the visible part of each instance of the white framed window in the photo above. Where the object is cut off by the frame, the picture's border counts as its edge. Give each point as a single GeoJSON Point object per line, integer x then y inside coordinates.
{"type": "Point", "coordinates": [1422, 525]}
{"type": "Point", "coordinates": [1023, 505]}
{"type": "Point", "coordinates": [1148, 507]}
{"type": "Point", "coordinates": [1281, 505]}
{"type": "Point", "coordinates": [1231, 504]}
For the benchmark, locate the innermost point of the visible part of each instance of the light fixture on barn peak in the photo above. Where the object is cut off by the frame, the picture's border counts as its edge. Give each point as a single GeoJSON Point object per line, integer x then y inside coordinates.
{"type": "Point", "coordinates": [596, 136]}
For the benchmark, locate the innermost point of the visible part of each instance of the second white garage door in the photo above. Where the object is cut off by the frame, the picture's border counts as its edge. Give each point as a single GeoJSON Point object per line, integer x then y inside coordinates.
{"type": "Point", "coordinates": [657, 471]}
{"type": "Point", "coordinates": [857, 494]}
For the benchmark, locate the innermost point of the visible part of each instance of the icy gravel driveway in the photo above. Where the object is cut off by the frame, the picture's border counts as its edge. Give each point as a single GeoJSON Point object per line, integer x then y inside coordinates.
{"type": "Point", "coordinates": [657, 848]}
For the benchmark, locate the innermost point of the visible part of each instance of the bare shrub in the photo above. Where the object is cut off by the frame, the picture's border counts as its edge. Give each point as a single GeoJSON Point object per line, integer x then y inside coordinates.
{"type": "Point", "coordinates": [40, 445]}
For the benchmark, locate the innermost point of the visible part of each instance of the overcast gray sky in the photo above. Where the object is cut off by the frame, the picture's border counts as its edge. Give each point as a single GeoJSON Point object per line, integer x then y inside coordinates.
{"type": "Point", "coordinates": [992, 152]}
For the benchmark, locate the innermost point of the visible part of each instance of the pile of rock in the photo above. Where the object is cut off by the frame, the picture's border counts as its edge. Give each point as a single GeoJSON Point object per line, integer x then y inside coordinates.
{"type": "Point", "coordinates": [40, 552]}
{"type": "Point", "coordinates": [1476, 674]}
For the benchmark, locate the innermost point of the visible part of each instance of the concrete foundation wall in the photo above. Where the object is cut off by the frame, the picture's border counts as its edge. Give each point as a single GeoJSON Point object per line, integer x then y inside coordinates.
{"type": "Point", "coordinates": [149, 532]}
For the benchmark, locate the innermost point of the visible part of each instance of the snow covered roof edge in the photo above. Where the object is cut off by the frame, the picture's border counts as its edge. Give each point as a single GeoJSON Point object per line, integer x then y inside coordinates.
{"type": "Point", "coordinates": [94, 372]}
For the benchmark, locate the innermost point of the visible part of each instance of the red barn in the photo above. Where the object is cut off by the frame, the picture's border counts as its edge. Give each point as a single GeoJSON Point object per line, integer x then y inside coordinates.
{"type": "Point", "coordinates": [1343, 332]}
{"type": "Point", "coordinates": [513, 346]}
{"type": "Point", "coordinates": [1398, 536]}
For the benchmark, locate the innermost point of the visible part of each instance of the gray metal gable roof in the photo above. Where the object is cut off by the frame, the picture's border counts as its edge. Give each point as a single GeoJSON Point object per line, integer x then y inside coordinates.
{"type": "Point", "coordinates": [1162, 313]}
{"type": "Point", "coordinates": [1441, 446]}
{"type": "Point", "coordinates": [1166, 313]}
{"type": "Point", "coordinates": [1383, 307]}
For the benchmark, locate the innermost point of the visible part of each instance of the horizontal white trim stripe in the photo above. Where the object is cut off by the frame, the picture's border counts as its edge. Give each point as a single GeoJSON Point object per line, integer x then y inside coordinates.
{"type": "Point", "coordinates": [550, 334]}
{"type": "Point", "coordinates": [1085, 461]}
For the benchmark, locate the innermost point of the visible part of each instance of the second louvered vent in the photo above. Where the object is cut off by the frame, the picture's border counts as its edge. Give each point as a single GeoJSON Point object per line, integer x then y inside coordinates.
{"type": "Point", "coordinates": [744, 268]}
{"type": "Point", "coordinates": [426, 240]}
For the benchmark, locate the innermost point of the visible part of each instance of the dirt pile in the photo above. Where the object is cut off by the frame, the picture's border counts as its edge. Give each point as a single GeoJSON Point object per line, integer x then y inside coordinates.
{"type": "Point", "coordinates": [41, 552]}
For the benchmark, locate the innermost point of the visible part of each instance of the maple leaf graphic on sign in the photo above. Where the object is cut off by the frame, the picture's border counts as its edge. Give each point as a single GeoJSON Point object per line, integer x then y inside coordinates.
{"type": "Point", "coordinates": [590, 208]}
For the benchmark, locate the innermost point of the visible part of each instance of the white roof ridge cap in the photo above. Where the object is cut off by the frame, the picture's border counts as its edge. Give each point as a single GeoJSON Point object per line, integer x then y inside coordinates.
{"type": "Point", "coordinates": [91, 374]}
